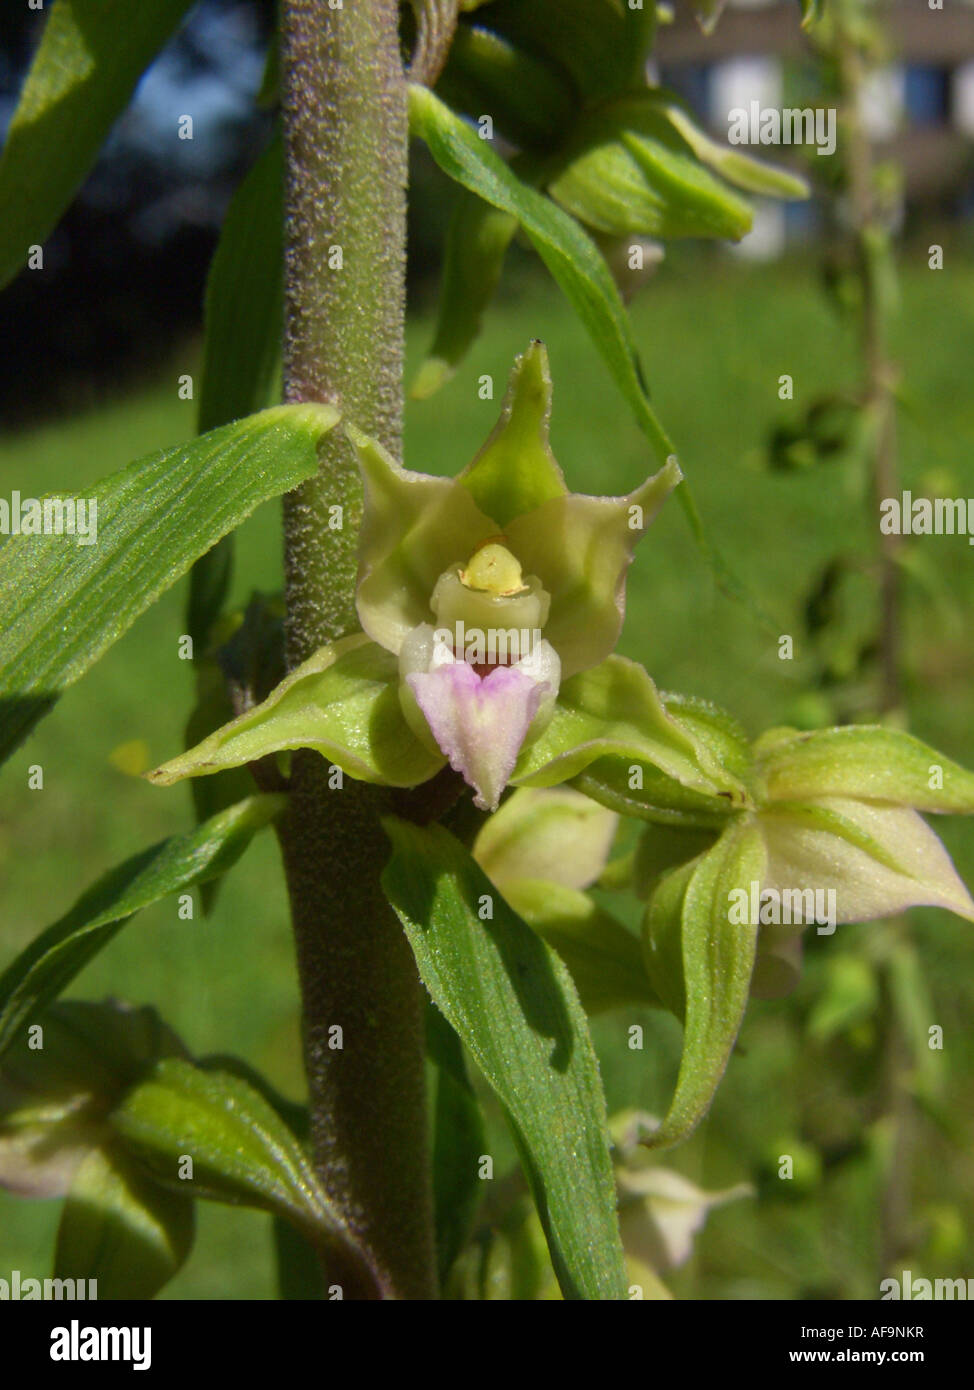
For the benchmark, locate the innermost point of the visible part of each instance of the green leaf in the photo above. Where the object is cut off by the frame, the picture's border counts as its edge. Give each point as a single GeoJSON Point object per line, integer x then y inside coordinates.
{"type": "Point", "coordinates": [459, 1143]}
{"type": "Point", "coordinates": [614, 712]}
{"type": "Point", "coordinates": [121, 1229]}
{"type": "Point", "coordinates": [41, 971]}
{"type": "Point", "coordinates": [242, 1152]}
{"type": "Point", "coordinates": [243, 323]}
{"type": "Point", "coordinates": [865, 761]}
{"type": "Point", "coordinates": [511, 1001]}
{"type": "Point", "coordinates": [62, 604]}
{"type": "Point", "coordinates": [91, 55]}
{"type": "Point", "coordinates": [570, 255]}
{"type": "Point", "coordinates": [343, 702]}
{"type": "Point", "coordinates": [718, 958]}
{"type": "Point", "coordinates": [603, 959]}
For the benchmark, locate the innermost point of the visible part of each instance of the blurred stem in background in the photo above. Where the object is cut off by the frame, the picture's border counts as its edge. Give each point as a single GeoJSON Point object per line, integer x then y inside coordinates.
{"type": "Point", "coordinates": [869, 218]}
{"type": "Point", "coordinates": [857, 48]}
{"type": "Point", "coordinates": [346, 132]}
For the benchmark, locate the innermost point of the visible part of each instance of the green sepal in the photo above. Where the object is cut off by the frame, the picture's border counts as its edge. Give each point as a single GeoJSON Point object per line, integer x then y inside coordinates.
{"type": "Point", "coordinates": [867, 762]}
{"type": "Point", "coordinates": [751, 175]}
{"type": "Point", "coordinates": [343, 702]}
{"type": "Point", "coordinates": [613, 713]}
{"type": "Point", "coordinates": [717, 959]}
{"type": "Point", "coordinates": [627, 169]}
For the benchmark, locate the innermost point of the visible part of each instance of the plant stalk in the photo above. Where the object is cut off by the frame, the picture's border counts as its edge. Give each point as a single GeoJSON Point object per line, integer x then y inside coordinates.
{"type": "Point", "coordinates": [346, 133]}
{"type": "Point", "coordinates": [880, 375]}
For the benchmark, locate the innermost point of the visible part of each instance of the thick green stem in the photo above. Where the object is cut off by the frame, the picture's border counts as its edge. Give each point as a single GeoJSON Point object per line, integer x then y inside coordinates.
{"type": "Point", "coordinates": [346, 132]}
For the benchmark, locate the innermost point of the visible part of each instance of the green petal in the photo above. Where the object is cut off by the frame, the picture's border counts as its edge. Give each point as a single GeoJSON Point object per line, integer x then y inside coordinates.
{"type": "Point", "coordinates": [580, 548]}
{"type": "Point", "coordinates": [415, 526]}
{"type": "Point", "coordinates": [555, 834]}
{"type": "Point", "coordinates": [865, 761]}
{"type": "Point", "coordinates": [515, 470]}
{"type": "Point", "coordinates": [343, 702]}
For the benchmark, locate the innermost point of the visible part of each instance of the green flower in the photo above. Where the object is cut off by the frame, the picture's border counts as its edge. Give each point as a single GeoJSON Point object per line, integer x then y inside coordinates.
{"type": "Point", "coordinates": [490, 604]}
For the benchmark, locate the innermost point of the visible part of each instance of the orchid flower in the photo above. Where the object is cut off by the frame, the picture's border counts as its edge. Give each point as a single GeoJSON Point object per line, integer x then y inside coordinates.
{"type": "Point", "coordinates": [490, 605]}
{"type": "Point", "coordinates": [492, 587]}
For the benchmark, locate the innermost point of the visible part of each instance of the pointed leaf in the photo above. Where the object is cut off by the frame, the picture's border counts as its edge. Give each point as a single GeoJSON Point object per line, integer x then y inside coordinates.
{"type": "Point", "coordinates": [244, 313]}
{"type": "Point", "coordinates": [511, 1001]}
{"type": "Point", "coordinates": [121, 1229]}
{"type": "Point", "coordinates": [58, 954]}
{"type": "Point", "coordinates": [91, 55]}
{"type": "Point", "coordinates": [343, 702]}
{"type": "Point", "coordinates": [63, 603]}
{"type": "Point", "coordinates": [569, 254]}
{"type": "Point", "coordinates": [718, 958]}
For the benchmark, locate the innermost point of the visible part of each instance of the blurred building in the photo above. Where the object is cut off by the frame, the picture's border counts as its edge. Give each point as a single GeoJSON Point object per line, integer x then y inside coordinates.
{"type": "Point", "coordinates": [919, 108]}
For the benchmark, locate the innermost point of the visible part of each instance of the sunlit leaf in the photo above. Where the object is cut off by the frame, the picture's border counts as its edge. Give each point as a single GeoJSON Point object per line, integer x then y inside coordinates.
{"type": "Point", "coordinates": [63, 603]}
{"type": "Point", "coordinates": [41, 971]}
{"type": "Point", "coordinates": [511, 1001]}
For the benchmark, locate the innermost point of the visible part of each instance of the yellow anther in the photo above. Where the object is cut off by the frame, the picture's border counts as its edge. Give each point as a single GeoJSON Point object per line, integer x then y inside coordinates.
{"type": "Point", "coordinates": [493, 569]}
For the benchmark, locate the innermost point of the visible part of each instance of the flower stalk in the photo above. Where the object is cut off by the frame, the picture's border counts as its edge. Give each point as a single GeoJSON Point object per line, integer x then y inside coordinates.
{"type": "Point", "coordinates": [345, 123]}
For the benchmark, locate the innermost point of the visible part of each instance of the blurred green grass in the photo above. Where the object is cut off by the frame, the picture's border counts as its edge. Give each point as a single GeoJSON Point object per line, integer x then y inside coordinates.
{"type": "Point", "coordinates": [715, 336]}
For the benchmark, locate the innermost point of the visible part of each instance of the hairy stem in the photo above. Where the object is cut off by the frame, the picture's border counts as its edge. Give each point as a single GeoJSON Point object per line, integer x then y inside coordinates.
{"type": "Point", "coordinates": [345, 123]}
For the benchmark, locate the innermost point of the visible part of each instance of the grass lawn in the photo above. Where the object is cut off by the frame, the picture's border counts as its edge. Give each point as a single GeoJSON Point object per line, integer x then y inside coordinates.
{"type": "Point", "coordinates": [716, 335]}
